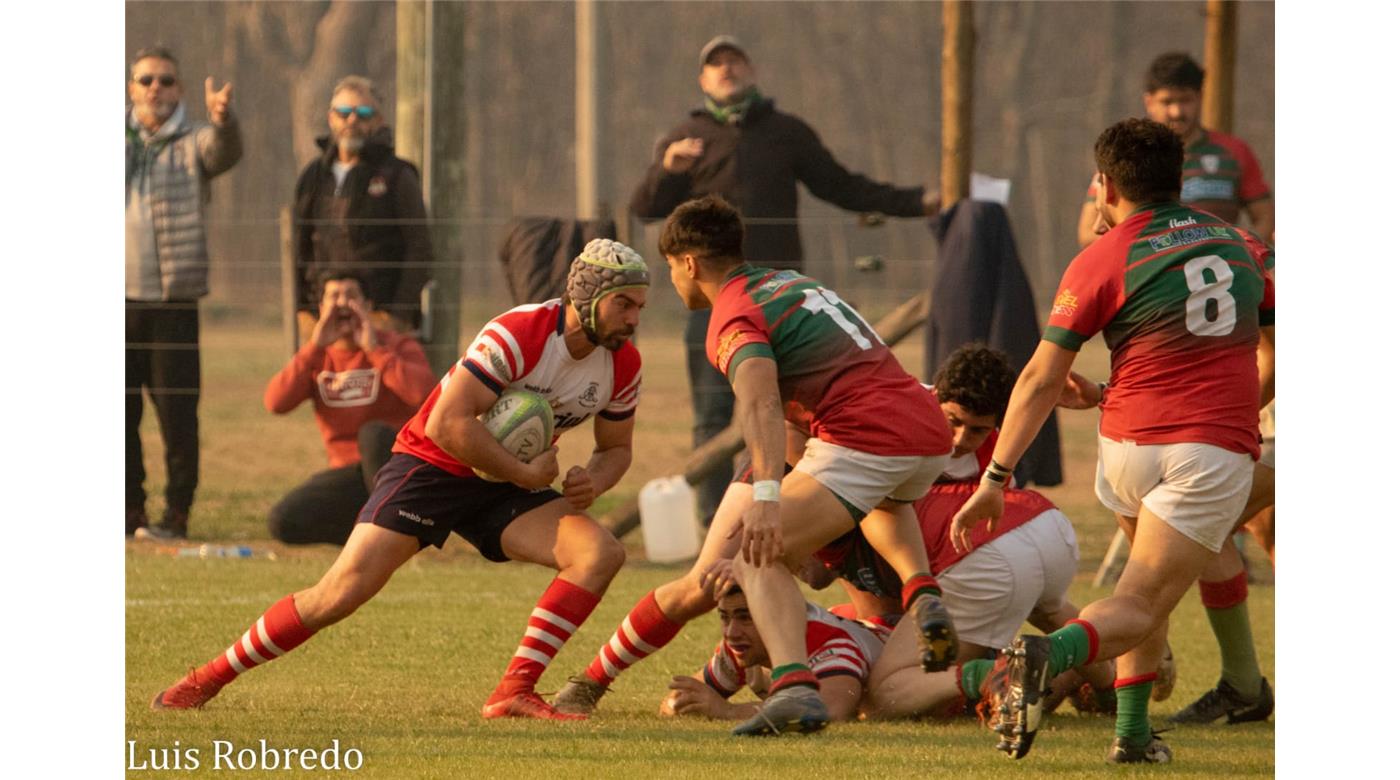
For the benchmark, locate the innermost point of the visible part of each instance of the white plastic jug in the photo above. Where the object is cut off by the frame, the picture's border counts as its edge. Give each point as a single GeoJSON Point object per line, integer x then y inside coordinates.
{"type": "Point", "coordinates": [670, 532]}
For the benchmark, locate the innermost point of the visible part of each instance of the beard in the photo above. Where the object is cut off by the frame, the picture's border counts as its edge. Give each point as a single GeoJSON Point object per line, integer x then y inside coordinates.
{"type": "Point", "coordinates": [351, 143]}
{"type": "Point", "coordinates": [156, 110]}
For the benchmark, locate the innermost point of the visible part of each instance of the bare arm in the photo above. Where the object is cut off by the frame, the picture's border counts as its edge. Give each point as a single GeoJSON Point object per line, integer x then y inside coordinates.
{"type": "Point", "coordinates": [1261, 218]}
{"type": "Point", "coordinates": [759, 410]}
{"type": "Point", "coordinates": [453, 426]}
{"type": "Point", "coordinates": [1266, 365]}
{"type": "Point", "coordinates": [612, 455]}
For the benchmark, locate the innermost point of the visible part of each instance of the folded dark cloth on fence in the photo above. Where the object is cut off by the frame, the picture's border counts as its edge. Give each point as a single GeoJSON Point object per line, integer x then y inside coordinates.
{"type": "Point", "coordinates": [538, 250]}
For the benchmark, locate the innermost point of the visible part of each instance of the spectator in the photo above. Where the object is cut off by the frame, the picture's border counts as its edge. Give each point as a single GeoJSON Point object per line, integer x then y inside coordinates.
{"type": "Point", "coordinates": [739, 146]}
{"type": "Point", "coordinates": [170, 159]}
{"type": "Point", "coordinates": [359, 206]}
{"type": "Point", "coordinates": [364, 384]}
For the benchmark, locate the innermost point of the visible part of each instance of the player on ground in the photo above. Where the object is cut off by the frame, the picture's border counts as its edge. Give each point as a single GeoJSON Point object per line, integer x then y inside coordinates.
{"type": "Point", "coordinates": [841, 653]}
{"type": "Point", "coordinates": [1219, 173]}
{"type": "Point", "coordinates": [793, 349]}
{"type": "Point", "coordinates": [573, 351]}
{"type": "Point", "coordinates": [1181, 297]}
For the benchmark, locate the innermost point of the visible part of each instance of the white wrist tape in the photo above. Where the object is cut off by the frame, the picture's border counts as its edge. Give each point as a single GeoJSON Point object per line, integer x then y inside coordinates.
{"type": "Point", "coordinates": [766, 490]}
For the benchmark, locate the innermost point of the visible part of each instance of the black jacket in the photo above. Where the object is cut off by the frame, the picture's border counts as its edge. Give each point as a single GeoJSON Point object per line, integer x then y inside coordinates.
{"type": "Point", "coordinates": [377, 226]}
{"type": "Point", "coordinates": [756, 165]}
{"type": "Point", "coordinates": [538, 251]}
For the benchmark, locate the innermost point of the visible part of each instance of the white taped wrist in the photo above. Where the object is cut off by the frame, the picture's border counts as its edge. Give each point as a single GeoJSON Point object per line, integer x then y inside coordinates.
{"type": "Point", "coordinates": [766, 490]}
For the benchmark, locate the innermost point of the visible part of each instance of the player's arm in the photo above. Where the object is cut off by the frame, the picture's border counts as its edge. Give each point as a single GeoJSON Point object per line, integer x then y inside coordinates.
{"type": "Point", "coordinates": [693, 696]}
{"type": "Point", "coordinates": [612, 455]}
{"type": "Point", "coordinates": [1037, 391]}
{"type": "Point", "coordinates": [759, 410]}
{"type": "Point", "coordinates": [453, 426]}
{"type": "Point", "coordinates": [1266, 365]}
{"type": "Point", "coordinates": [1261, 217]}
{"type": "Point", "coordinates": [1090, 224]}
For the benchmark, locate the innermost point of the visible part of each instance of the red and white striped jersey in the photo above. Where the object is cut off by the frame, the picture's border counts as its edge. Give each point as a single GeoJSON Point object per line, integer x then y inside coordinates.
{"type": "Point", "coordinates": [835, 646]}
{"type": "Point", "coordinates": [524, 349]}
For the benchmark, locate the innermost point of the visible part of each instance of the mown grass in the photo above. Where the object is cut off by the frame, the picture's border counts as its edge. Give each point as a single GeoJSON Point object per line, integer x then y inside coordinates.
{"type": "Point", "coordinates": [402, 680]}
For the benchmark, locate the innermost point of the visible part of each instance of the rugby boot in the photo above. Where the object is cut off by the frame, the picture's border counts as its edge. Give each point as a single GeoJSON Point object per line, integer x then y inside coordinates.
{"type": "Point", "coordinates": [1018, 715]}
{"type": "Point", "coordinates": [579, 696]}
{"type": "Point", "coordinates": [1223, 701]}
{"type": "Point", "coordinates": [795, 709]}
{"type": "Point", "coordinates": [187, 694]}
{"type": "Point", "coordinates": [936, 629]}
{"type": "Point", "coordinates": [526, 704]}
{"type": "Point", "coordinates": [1166, 677]}
{"type": "Point", "coordinates": [1154, 752]}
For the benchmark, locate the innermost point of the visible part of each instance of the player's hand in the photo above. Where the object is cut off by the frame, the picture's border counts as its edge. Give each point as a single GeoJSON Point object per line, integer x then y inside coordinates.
{"type": "Point", "coordinates": [363, 330]}
{"type": "Point", "coordinates": [1079, 393]}
{"type": "Point", "coordinates": [579, 489]}
{"type": "Point", "coordinates": [762, 539]}
{"type": "Point", "coordinates": [217, 102]}
{"type": "Point", "coordinates": [718, 577]}
{"type": "Point", "coordinates": [682, 155]}
{"type": "Point", "coordinates": [689, 696]}
{"type": "Point", "coordinates": [1100, 225]}
{"type": "Point", "coordinates": [985, 504]}
{"type": "Point", "coordinates": [541, 471]}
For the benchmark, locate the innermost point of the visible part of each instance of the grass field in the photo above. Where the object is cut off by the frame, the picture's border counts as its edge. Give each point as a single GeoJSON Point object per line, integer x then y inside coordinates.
{"type": "Point", "coordinates": [402, 680]}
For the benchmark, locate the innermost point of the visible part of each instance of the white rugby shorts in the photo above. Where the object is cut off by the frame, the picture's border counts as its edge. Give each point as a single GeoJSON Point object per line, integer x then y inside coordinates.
{"type": "Point", "coordinates": [1198, 489]}
{"type": "Point", "coordinates": [865, 480]}
{"type": "Point", "coordinates": [992, 591]}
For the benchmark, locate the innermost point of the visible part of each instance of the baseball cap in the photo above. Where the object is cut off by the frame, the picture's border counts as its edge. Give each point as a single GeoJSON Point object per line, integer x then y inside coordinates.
{"type": "Point", "coordinates": [721, 42]}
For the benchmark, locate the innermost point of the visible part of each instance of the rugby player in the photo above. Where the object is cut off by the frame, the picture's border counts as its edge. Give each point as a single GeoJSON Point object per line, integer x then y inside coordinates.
{"type": "Point", "coordinates": [573, 351]}
{"type": "Point", "coordinates": [1181, 297]}
{"type": "Point", "coordinates": [840, 652]}
{"type": "Point", "coordinates": [792, 349]}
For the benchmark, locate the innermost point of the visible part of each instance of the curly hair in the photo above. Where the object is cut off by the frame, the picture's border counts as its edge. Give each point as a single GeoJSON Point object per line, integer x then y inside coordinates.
{"type": "Point", "coordinates": [709, 227]}
{"type": "Point", "coordinates": [978, 378]}
{"type": "Point", "coordinates": [1143, 158]}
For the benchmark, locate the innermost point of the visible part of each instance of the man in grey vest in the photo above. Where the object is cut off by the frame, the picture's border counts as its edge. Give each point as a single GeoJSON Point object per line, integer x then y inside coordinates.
{"type": "Point", "coordinates": [170, 159]}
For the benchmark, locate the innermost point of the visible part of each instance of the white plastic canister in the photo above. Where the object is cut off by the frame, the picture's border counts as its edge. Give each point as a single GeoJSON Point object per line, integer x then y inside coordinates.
{"type": "Point", "coordinates": [670, 531]}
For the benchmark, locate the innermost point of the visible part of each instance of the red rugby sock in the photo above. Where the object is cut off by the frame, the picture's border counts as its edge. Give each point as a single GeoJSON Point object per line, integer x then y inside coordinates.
{"type": "Point", "coordinates": [645, 630]}
{"type": "Point", "coordinates": [277, 632]}
{"type": "Point", "coordinates": [557, 615]}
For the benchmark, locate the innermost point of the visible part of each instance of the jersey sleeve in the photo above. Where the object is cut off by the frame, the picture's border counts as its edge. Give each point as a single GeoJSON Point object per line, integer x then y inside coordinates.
{"type": "Point", "coordinates": [509, 346]}
{"type": "Point", "coordinates": [742, 334]}
{"type": "Point", "coordinates": [1089, 295]}
{"type": "Point", "coordinates": [1263, 255]}
{"type": "Point", "coordinates": [1252, 184]}
{"type": "Point", "coordinates": [627, 384]}
{"type": "Point", "coordinates": [723, 672]}
{"type": "Point", "coordinates": [832, 652]}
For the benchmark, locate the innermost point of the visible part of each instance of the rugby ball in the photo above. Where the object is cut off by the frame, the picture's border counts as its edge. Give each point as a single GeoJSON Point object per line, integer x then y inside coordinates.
{"type": "Point", "coordinates": [522, 422]}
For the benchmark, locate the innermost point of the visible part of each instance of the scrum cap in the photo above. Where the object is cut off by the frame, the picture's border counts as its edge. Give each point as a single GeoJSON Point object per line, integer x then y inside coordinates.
{"type": "Point", "coordinates": [603, 267]}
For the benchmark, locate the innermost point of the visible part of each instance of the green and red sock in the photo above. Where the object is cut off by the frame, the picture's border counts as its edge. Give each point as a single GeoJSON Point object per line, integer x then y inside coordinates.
{"type": "Point", "coordinates": [921, 582]}
{"type": "Point", "coordinates": [1133, 694]}
{"type": "Point", "coordinates": [1226, 608]}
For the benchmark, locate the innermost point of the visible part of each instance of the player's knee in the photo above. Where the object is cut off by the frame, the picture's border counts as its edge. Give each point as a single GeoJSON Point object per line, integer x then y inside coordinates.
{"type": "Point", "coordinates": [604, 555]}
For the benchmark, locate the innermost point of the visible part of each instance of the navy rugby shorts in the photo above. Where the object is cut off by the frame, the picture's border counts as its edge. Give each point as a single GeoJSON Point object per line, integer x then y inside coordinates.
{"type": "Point", "coordinates": [415, 497]}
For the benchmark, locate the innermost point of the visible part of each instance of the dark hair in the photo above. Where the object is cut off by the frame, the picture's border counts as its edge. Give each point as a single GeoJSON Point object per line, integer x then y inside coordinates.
{"type": "Point", "coordinates": [1175, 69]}
{"type": "Point", "coordinates": [159, 52]}
{"type": "Point", "coordinates": [708, 228]}
{"type": "Point", "coordinates": [1143, 158]}
{"type": "Point", "coordinates": [339, 275]}
{"type": "Point", "coordinates": [978, 378]}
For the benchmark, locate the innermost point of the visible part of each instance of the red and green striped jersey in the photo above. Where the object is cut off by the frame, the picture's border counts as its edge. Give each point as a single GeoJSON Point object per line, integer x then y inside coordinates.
{"type": "Point", "coordinates": [836, 378]}
{"type": "Point", "coordinates": [1219, 174]}
{"type": "Point", "coordinates": [1180, 296]}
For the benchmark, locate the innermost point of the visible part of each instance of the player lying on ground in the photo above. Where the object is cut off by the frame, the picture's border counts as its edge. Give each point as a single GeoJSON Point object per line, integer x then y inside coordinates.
{"type": "Point", "coordinates": [428, 489]}
{"type": "Point", "coordinates": [1181, 297]}
{"type": "Point", "coordinates": [839, 651]}
{"type": "Point", "coordinates": [1019, 572]}
{"type": "Point", "coordinates": [793, 349]}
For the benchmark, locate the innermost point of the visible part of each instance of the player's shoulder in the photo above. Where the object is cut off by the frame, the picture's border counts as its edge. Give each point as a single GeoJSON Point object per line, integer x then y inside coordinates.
{"type": "Point", "coordinates": [1235, 145]}
{"type": "Point", "coordinates": [532, 322]}
{"type": "Point", "coordinates": [627, 363]}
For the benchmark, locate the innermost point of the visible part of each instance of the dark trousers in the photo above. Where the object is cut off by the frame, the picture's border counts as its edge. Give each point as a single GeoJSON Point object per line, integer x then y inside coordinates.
{"type": "Point", "coordinates": [322, 509]}
{"type": "Point", "coordinates": [712, 402]}
{"type": "Point", "coordinates": [162, 356]}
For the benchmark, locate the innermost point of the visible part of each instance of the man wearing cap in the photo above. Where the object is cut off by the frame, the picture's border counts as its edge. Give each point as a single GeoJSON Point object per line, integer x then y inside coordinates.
{"type": "Point", "coordinates": [738, 145]}
{"type": "Point", "coordinates": [576, 353]}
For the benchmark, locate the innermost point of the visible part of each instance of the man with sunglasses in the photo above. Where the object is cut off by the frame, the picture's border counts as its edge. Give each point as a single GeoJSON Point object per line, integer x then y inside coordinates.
{"type": "Point", "coordinates": [359, 206]}
{"type": "Point", "coordinates": [170, 159]}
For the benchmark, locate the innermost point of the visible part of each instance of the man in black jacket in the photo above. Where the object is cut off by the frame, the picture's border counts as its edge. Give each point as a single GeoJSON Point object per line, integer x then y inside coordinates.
{"type": "Point", "coordinates": [739, 146]}
{"type": "Point", "coordinates": [359, 206]}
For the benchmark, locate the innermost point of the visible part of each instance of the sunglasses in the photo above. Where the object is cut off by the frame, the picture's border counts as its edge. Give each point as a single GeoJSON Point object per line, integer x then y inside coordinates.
{"type": "Point", "coordinates": [363, 112]}
{"type": "Point", "coordinates": [165, 81]}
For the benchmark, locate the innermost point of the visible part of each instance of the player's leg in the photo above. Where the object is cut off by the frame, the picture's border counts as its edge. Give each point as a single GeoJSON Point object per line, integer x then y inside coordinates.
{"type": "Point", "coordinates": [656, 619]}
{"type": "Point", "coordinates": [587, 557]}
{"type": "Point", "coordinates": [898, 687]}
{"type": "Point", "coordinates": [1260, 512]}
{"type": "Point", "coordinates": [369, 558]}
